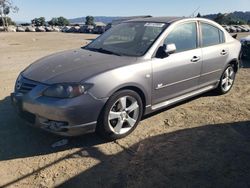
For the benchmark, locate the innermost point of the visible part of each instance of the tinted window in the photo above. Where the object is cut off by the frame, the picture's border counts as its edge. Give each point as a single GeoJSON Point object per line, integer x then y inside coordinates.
{"type": "Point", "coordinates": [184, 36]}
{"type": "Point", "coordinates": [151, 33]}
{"type": "Point", "coordinates": [211, 35]}
{"type": "Point", "coordinates": [124, 35]}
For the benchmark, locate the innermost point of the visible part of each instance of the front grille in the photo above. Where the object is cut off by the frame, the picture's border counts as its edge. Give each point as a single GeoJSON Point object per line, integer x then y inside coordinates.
{"type": "Point", "coordinates": [24, 85]}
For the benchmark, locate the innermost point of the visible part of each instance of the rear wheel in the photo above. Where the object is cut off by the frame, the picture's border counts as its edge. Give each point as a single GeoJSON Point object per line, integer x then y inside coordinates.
{"type": "Point", "coordinates": [121, 115]}
{"type": "Point", "coordinates": [227, 80]}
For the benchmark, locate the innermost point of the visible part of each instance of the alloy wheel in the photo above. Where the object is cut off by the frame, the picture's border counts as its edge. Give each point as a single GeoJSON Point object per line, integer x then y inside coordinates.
{"type": "Point", "coordinates": [228, 79]}
{"type": "Point", "coordinates": [123, 115]}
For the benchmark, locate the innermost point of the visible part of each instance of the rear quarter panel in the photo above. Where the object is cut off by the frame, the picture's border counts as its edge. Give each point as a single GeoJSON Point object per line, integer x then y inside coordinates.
{"type": "Point", "coordinates": [234, 47]}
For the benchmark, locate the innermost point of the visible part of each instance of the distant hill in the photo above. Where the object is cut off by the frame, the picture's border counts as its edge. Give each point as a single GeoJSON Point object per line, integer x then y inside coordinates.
{"type": "Point", "coordinates": [104, 19]}
{"type": "Point", "coordinates": [237, 15]}
{"type": "Point", "coordinates": [241, 15]}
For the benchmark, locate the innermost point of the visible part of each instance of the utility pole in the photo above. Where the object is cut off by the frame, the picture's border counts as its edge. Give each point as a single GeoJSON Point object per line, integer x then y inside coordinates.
{"type": "Point", "coordinates": [193, 14]}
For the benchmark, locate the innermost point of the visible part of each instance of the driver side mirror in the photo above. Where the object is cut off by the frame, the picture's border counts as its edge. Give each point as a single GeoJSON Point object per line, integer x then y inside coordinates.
{"type": "Point", "coordinates": [170, 49]}
{"type": "Point", "coordinates": [165, 50]}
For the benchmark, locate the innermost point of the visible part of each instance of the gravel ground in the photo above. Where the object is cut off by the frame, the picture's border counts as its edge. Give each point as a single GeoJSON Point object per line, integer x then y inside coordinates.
{"type": "Point", "coordinates": [203, 142]}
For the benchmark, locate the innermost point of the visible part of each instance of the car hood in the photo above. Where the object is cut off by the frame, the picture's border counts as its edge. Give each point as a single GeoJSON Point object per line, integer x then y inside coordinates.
{"type": "Point", "coordinates": [73, 66]}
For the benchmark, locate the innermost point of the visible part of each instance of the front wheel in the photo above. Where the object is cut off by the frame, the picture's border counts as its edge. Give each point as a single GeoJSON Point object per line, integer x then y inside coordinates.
{"type": "Point", "coordinates": [227, 80]}
{"type": "Point", "coordinates": [121, 115]}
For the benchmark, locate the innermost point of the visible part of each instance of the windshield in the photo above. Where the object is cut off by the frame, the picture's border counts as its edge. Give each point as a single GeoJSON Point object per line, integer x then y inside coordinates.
{"type": "Point", "coordinates": [129, 39]}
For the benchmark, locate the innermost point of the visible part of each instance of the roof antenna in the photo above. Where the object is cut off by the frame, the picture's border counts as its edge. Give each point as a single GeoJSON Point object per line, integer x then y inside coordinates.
{"type": "Point", "coordinates": [192, 15]}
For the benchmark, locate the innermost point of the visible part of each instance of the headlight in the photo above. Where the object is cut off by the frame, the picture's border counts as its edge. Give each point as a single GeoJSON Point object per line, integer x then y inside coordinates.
{"type": "Point", "coordinates": [65, 90]}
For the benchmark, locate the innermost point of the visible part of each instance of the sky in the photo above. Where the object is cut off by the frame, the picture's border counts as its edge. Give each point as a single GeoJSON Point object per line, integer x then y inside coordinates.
{"type": "Point", "coordinates": [29, 9]}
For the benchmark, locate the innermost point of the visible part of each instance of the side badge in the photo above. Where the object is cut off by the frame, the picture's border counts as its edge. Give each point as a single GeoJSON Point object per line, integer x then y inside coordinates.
{"type": "Point", "coordinates": [159, 86]}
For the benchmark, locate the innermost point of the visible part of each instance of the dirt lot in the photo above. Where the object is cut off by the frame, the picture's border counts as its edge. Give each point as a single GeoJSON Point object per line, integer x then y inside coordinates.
{"type": "Point", "coordinates": [204, 142]}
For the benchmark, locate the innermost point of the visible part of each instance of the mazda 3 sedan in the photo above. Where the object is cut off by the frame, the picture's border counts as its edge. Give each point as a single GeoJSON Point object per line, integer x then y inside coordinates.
{"type": "Point", "coordinates": [133, 69]}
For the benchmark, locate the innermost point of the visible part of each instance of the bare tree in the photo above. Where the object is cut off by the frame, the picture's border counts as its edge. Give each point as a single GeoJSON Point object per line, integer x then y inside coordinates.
{"type": "Point", "coordinates": [6, 6]}
{"type": "Point", "coordinates": [1, 11]}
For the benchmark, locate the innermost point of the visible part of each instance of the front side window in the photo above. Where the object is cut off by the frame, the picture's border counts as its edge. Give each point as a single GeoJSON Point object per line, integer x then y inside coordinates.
{"type": "Point", "coordinates": [129, 39]}
{"type": "Point", "coordinates": [211, 35]}
{"type": "Point", "coordinates": [184, 37]}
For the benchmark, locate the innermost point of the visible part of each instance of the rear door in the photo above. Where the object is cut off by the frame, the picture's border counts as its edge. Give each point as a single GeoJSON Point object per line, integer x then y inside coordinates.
{"type": "Point", "coordinates": [214, 52]}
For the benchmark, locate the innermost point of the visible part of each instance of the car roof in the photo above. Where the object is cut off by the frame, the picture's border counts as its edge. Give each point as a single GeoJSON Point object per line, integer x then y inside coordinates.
{"type": "Point", "coordinates": [167, 20]}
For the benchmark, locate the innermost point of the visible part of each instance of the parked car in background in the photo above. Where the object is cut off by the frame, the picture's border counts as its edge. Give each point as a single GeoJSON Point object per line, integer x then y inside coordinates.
{"type": "Point", "coordinates": [226, 27]}
{"type": "Point", "coordinates": [247, 27]}
{"type": "Point", "coordinates": [40, 29]}
{"type": "Point", "coordinates": [99, 29]}
{"type": "Point", "coordinates": [245, 47]}
{"type": "Point", "coordinates": [243, 29]}
{"type": "Point", "coordinates": [49, 29]}
{"type": "Point", "coordinates": [89, 29]}
{"type": "Point", "coordinates": [238, 29]}
{"type": "Point", "coordinates": [233, 29]}
{"type": "Point", "coordinates": [20, 29]}
{"type": "Point", "coordinates": [108, 26]}
{"type": "Point", "coordinates": [135, 68]}
{"type": "Point", "coordinates": [66, 29]}
{"type": "Point", "coordinates": [30, 29]}
{"type": "Point", "coordinates": [74, 29]}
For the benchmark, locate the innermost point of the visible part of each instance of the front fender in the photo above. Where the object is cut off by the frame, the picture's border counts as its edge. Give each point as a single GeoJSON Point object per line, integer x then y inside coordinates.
{"type": "Point", "coordinates": [137, 75]}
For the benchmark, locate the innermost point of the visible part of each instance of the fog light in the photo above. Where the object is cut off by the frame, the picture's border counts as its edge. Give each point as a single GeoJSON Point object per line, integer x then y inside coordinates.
{"type": "Point", "coordinates": [53, 125]}
{"type": "Point", "coordinates": [56, 125]}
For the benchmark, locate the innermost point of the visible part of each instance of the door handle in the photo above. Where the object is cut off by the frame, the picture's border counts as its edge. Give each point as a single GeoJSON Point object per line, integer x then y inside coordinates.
{"type": "Point", "coordinates": [195, 59]}
{"type": "Point", "coordinates": [223, 52]}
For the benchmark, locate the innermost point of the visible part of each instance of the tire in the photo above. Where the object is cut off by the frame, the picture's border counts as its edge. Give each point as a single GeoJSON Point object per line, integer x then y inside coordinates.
{"type": "Point", "coordinates": [227, 80]}
{"type": "Point", "coordinates": [121, 115]}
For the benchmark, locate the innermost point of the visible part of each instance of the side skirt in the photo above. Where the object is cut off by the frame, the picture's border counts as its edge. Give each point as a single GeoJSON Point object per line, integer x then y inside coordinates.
{"type": "Point", "coordinates": [182, 98]}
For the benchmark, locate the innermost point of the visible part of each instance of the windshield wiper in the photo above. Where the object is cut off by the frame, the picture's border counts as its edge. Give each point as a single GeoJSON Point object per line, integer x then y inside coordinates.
{"type": "Point", "coordinates": [101, 50]}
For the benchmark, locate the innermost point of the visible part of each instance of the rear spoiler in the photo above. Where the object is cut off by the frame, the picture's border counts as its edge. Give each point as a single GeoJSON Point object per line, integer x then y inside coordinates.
{"type": "Point", "coordinates": [235, 36]}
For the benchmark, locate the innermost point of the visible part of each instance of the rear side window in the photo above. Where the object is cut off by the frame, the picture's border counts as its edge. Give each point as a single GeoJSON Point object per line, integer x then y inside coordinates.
{"type": "Point", "coordinates": [211, 35]}
{"type": "Point", "coordinates": [184, 37]}
{"type": "Point", "coordinates": [222, 36]}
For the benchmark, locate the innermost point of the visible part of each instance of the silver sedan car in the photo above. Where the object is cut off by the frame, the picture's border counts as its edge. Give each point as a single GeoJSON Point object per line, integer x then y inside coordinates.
{"type": "Point", "coordinates": [133, 69]}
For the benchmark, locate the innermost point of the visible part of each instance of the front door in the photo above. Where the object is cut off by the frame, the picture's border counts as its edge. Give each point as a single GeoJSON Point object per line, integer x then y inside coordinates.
{"type": "Point", "coordinates": [178, 73]}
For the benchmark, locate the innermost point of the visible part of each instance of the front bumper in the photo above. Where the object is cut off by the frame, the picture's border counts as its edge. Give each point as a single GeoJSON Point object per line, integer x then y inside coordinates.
{"type": "Point", "coordinates": [66, 117]}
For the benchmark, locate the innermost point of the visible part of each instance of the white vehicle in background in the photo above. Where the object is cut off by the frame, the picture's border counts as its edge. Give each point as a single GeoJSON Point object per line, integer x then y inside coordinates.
{"type": "Point", "coordinates": [243, 29]}
{"type": "Point", "coordinates": [233, 29]}
{"type": "Point", "coordinates": [247, 27]}
{"type": "Point", "coordinates": [237, 28]}
{"type": "Point", "coordinates": [226, 27]}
